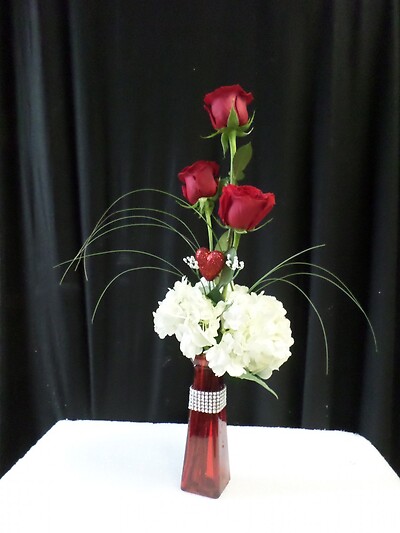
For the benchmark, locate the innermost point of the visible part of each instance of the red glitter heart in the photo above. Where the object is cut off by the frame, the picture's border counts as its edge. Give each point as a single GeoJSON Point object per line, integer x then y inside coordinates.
{"type": "Point", "coordinates": [210, 263]}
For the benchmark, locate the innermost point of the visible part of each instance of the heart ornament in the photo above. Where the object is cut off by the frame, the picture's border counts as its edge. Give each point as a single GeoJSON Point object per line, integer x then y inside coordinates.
{"type": "Point", "coordinates": [210, 263]}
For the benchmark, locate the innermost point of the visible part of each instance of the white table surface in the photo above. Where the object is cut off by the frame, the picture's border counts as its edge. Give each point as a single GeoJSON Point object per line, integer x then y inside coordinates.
{"type": "Point", "coordinates": [94, 476]}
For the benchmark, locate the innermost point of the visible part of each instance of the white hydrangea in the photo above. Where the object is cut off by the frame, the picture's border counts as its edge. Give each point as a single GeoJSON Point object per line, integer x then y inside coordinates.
{"type": "Point", "coordinates": [256, 335]}
{"type": "Point", "coordinates": [189, 315]}
{"type": "Point", "coordinates": [253, 332]}
{"type": "Point", "coordinates": [223, 357]}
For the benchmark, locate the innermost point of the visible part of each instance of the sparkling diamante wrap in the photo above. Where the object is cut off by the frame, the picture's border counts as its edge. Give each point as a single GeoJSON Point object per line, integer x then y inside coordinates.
{"type": "Point", "coordinates": [207, 402]}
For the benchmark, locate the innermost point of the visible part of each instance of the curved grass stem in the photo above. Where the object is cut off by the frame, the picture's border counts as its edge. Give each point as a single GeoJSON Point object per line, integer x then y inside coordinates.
{"type": "Point", "coordinates": [267, 274]}
{"type": "Point", "coordinates": [81, 253]}
{"type": "Point", "coordinates": [163, 223]}
{"type": "Point", "coordinates": [283, 280]}
{"type": "Point", "coordinates": [336, 282]}
{"type": "Point", "coordinates": [149, 267]}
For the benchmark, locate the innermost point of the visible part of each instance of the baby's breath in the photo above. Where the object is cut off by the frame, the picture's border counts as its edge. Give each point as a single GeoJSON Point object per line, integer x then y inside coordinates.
{"type": "Point", "coordinates": [191, 262]}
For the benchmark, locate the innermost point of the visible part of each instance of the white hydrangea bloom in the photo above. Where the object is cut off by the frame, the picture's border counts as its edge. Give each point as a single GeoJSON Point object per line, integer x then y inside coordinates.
{"type": "Point", "coordinates": [189, 315]}
{"type": "Point", "coordinates": [256, 335]}
{"type": "Point", "coordinates": [223, 357]}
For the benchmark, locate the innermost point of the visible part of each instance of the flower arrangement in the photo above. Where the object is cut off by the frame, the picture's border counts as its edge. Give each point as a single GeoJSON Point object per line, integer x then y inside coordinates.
{"type": "Point", "coordinates": [241, 330]}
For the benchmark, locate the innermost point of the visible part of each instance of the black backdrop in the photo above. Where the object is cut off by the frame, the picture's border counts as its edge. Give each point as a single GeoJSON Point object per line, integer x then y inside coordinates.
{"type": "Point", "coordinates": [100, 97]}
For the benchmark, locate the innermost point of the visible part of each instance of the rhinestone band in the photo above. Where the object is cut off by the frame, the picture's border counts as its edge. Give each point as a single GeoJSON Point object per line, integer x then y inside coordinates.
{"type": "Point", "coordinates": [207, 402]}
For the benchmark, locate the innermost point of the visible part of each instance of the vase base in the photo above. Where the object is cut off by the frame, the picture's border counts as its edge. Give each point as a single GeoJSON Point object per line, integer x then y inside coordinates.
{"type": "Point", "coordinates": [210, 491]}
{"type": "Point", "coordinates": [206, 466]}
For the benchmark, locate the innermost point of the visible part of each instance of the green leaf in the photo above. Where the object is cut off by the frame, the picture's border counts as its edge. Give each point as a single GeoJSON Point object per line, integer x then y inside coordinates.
{"type": "Point", "coordinates": [241, 160]}
{"type": "Point", "coordinates": [214, 295]}
{"type": "Point", "coordinates": [233, 119]}
{"type": "Point", "coordinates": [225, 277]}
{"type": "Point", "coordinates": [227, 273]}
{"type": "Point", "coordinates": [252, 377]}
{"type": "Point", "coordinates": [224, 142]}
{"type": "Point", "coordinates": [222, 244]}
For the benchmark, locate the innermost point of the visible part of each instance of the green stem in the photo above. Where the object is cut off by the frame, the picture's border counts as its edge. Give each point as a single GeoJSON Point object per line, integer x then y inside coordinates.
{"type": "Point", "coordinates": [225, 292]}
{"type": "Point", "coordinates": [231, 237]}
{"type": "Point", "coordinates": [209, 228]}
{"type": "Point", "coordinates": [232, 146]}
{"type": "Point", "coordinates": [236, 239]}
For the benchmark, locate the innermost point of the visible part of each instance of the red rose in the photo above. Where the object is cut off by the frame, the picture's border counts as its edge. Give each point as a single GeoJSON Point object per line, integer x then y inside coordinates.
{"type": "Point", "coordinates": [199, 180]}
{"type": "Point", "coordinates": [244, 206]}
{"type": "Point", "coordinates": [220, 102]}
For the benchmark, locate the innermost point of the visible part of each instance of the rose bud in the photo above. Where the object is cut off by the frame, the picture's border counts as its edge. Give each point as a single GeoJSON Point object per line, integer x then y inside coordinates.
{"type": "Point", "coordinates": [199, 180]}
{"type": "Point", "coordinates": [244, 206]}
{"type": "Point", "coordinates": [220, 102]}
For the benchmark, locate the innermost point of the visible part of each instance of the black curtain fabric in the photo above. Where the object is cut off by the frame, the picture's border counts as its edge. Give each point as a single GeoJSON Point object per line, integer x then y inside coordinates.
{"type": "Point", "coordinates": [102, 97]}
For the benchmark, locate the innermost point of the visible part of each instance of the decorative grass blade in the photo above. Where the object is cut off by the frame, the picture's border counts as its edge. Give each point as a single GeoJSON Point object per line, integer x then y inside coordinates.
{"type": "Point", "coordinates": [99, 226]}
{"type": "Point", "coordinates": [94, 236]}
{"type": "Point", "coordinates": [274, 280]}
{"type": "Point", "coordinates": [338, 284]}
{"type": "Point", "coordinates": [161, 224]}
{"type": "Point", "coordinates": [81, 252]}
{"type": "Point", "coordinates": [265, 276]}
{"type": "Point", "coordinates": [149, 267]}
{"type": "Point", "coordinates": [153, 210]}
{"type": "Point", "coordinates": [137, 191]}
{"type": "Point", "coordinates": [84, 255]}
{"type": "Point", "coordinates": [177, 272]}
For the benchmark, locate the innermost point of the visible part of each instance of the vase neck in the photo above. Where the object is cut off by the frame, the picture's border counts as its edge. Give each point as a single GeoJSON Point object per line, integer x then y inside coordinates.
{"type": "Point", "coordinates": [204, 377]}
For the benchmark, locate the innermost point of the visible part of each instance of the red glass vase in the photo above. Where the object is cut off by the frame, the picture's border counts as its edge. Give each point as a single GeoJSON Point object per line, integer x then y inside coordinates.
{"type": "Point", "coordinates": [206, 464]}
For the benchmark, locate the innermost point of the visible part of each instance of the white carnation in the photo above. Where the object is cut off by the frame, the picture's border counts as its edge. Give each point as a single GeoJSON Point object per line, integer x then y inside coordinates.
{"type": "Point", "coordinates": [256, 335]}
{"type": "Point", "coordinates": [189, 315]}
